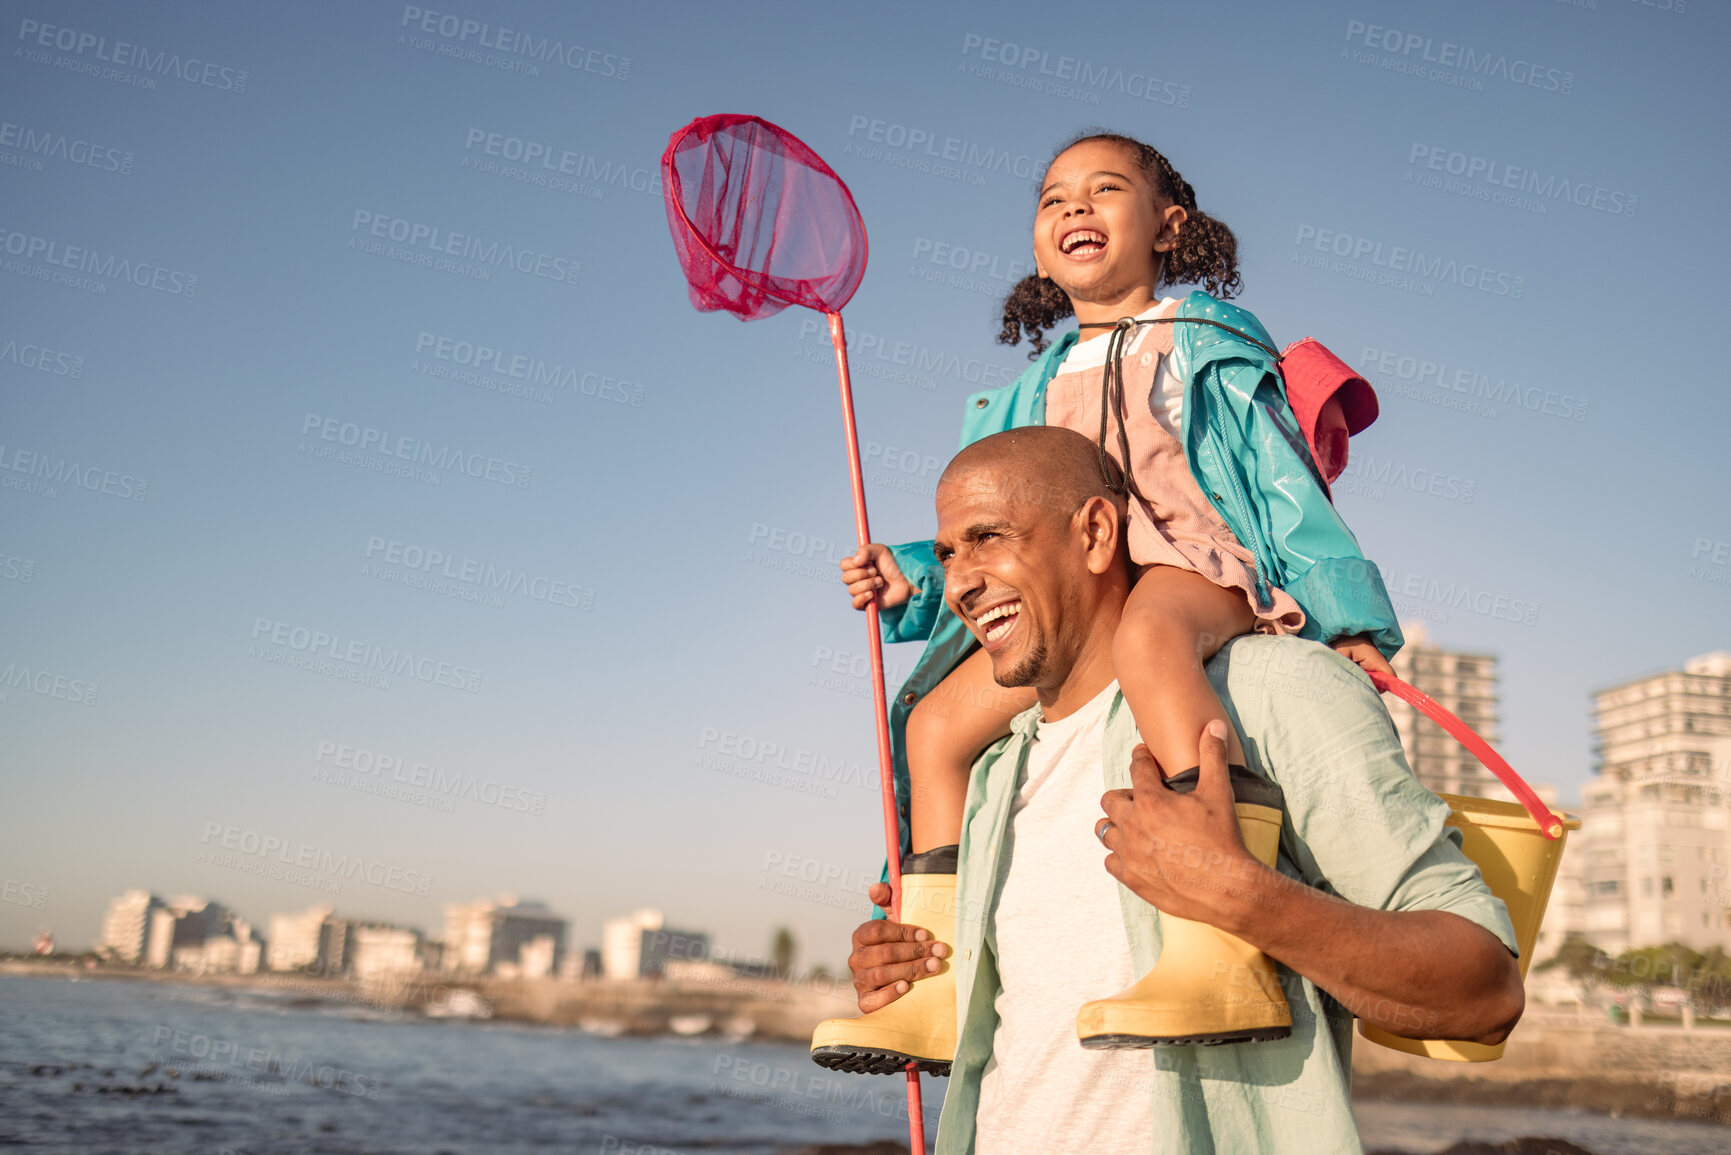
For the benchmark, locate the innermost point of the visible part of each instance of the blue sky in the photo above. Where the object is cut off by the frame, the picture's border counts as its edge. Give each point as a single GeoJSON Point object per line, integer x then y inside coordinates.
{"type": "Point", "coordinates": [657, 701]}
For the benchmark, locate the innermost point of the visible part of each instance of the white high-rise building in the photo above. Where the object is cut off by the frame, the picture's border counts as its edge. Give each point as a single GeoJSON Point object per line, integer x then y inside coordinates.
{"type": "Point", "coordinates": [1651, 859]}
{"type": "Point", "coordinates": [1465, 684]}
{"type": "Point", "coordinates": [483, 935]}
{"type": "Point", "coordinates": [234, 951]}
{"type": "Point", "coordinates": [622, 943]}
{"type": "Point", "coordinates": [126, 928]}
{"type": "Point", "coordinates": [299, 941]}
{"type": "Point", "coordinates": [536, 959]}
{"type": "Point", "coordinates": [640, 945]}
{"type": "Point", "coordinates": [159, 942]}
{"type": "Point", "coordinates": [187, 932]}
{"type": "Point", "coordinates": [469, 936]}
{"type": "Point", "coordinates": [379, 952]}
{"type": "Point", "coordinates": [193, 923]}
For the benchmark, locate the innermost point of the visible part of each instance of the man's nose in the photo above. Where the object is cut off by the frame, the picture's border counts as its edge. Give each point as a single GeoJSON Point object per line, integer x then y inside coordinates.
{"type": "Point", "coordinates": [961, 581]}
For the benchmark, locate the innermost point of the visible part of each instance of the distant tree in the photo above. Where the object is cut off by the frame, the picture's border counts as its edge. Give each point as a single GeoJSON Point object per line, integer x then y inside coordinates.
{"type": "Point", "coordinates": [783, 951]}
{"type": "Point", "coordinates": [1711, 982]}
{"type": "Point", "coordinates": [1585, 964]}
{"type": "Point", "coordinates": [1641, 969]}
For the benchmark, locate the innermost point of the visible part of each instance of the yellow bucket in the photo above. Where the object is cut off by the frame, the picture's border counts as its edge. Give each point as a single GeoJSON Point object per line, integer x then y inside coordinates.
{"type": "Point", "coordinates": [1519, 864]}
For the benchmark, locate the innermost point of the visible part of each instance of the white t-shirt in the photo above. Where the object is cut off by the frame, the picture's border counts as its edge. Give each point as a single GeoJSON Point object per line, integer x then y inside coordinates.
{"type": "Point", "coordinates": [1167, 400]}
{"type": "Point", "coordinates": [1058, 932]}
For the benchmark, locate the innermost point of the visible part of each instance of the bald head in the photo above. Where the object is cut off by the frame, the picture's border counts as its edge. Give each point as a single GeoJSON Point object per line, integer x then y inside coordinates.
{"type": "Point", "coordinates": [1048, 467]}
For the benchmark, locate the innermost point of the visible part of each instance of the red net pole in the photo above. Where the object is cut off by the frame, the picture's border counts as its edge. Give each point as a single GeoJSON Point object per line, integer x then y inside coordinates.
{"type": "Point", "coordinates": [880, 698]}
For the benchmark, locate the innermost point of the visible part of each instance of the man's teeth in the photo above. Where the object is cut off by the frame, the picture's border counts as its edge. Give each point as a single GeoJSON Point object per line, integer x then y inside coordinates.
{"type": "Point", "coordinates": [1004, 615]}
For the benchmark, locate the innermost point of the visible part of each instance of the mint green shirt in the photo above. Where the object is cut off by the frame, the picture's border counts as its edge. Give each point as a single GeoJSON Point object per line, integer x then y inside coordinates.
{"type": "Point", "coordinates": [1358, 825]}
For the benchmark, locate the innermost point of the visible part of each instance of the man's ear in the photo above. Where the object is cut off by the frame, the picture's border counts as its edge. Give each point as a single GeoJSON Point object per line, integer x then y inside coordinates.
{"type": "Point", "coordinates": [1098, 520]}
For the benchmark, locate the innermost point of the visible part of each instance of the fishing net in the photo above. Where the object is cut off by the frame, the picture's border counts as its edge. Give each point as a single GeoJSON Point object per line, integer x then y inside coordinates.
{"type": "Point", "coordinates": [759, 221]}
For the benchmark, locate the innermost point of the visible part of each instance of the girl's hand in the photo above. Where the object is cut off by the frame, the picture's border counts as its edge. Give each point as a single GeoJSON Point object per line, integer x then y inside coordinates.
{"type": "Point", "coordinates": [1362, 653]}
{"type": "Point", "coordinates": [873, 571]}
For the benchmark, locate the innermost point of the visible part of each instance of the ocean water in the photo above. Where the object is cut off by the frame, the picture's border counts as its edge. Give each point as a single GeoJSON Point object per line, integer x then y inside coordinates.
{"type": "Point", "coordinates": [85, 1070]}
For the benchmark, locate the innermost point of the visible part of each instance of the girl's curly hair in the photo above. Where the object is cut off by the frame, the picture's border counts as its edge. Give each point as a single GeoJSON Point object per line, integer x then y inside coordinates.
{"type": "Point", "coordinates": [1206, 253]}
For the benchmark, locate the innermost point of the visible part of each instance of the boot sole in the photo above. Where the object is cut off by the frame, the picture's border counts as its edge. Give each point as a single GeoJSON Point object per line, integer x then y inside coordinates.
{"type": "Point", "coordinates": [875, 1061]}
{"type": "Point", "coordinates": [1130, 1042]}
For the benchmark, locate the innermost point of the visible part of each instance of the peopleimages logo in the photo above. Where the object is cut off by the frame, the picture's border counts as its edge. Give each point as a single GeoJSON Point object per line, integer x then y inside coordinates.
{"type": "Point", "coordinates": [514, 42]}
{"type": "Point", "coordinates": [48, 472]}
{"type": "Point", "coordinates": [1369, 476]}
{"type": "Point", "coordinates": [1073, 71]}
{"type": "Point", "coordinates": [42, 359]}
{"type": "Point", "coordinates": [368, 440]}
{"type": "Point", "coordinates": [88, 45]}
{"type": "Point", "coordinates": [369, 769]}
{"type": "Point", "coordinates": [905, 362]}
{"type": "Point", "coordinates": [58, 146]}
{"type": "Point", "coordinates": [432, 241]}
{"type": "Point", "coordinates": [531, 370]}
{"type": "Point", "coordinates": [310, 857]}
{"type": "Point", "coordinates": [1431, 598]}
{"type": "Point", "coordinates": [1415, 265]}
{"type": "Point", "coordinates": [1409, 52]}
{"type": "Point", "coordinates": [1485, 178]}
{"type": "Point", "coordinates": [82, 259]}
{"type": "Point", "coordinates": [48, 684]}
{"type": "Point", "coordinates": [483, 576]}
{"type": "Point", "coordinates": [1470, 387]}
{"type": "Point", "coordinates": [359, 655]}
{"type": "Point", "coordinates": [929, 144]}
{"type": "Point", "coordinates": [553, 160]}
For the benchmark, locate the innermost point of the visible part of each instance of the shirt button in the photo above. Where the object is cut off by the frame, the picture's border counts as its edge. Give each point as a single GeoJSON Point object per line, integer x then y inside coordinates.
{"type": "Point", "coordinates": [968, 954]}
{"type": "Point", "coordinates": [1147, 360]}
{"type": "Point", "coordinates": [910, 698]}
{"type": "Point", "coordinates": [981, 403]}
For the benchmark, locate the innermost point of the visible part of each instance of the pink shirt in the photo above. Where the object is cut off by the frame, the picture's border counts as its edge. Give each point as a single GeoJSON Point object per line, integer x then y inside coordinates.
{"type": "Point", "coordinates": [1172, 522]}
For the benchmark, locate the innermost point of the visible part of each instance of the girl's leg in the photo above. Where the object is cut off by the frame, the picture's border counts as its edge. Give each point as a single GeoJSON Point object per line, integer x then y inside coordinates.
{"type": "Point", "coordinates": [1174, 621]}
{"type": "Point", "coordinates": [967, 712]}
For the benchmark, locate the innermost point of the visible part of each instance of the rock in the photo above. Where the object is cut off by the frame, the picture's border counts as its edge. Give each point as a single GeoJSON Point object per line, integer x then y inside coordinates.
{"type": "Point", "coordinates": [1528, 1145]}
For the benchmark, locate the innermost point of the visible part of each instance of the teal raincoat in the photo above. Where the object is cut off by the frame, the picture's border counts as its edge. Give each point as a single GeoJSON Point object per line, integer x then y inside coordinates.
{"type": "Point", "coordinates": [1246, 453]}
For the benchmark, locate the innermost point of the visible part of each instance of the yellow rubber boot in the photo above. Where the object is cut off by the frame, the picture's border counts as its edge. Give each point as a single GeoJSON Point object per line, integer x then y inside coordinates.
{"type": "Point", "coordinates": [918, 1027]}
{"type": "Point", "coordinates": [1208, 986]}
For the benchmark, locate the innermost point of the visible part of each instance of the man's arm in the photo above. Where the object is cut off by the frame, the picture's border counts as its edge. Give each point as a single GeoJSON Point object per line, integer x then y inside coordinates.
{"type": "Point", "coordinates": [1416, 973]}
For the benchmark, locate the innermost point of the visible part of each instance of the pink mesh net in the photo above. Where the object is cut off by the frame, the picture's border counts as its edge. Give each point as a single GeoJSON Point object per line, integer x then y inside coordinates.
{"type": "Point", "coordinates": [759, 221]}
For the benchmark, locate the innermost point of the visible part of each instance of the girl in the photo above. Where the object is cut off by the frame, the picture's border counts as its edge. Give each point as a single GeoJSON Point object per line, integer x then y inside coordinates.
{"type": "Point", "coordinates": [1115, 222]}
{"type": "Point", "coordinates": [1261, 551]}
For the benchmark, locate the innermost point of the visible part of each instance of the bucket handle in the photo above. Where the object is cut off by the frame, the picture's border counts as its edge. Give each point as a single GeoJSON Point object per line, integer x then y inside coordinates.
{"type": "Point", "coordinates": [1548, 824]}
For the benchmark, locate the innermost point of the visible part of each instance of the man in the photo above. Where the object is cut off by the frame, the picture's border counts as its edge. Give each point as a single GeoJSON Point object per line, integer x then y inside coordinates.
{"type": "Point", "coordinates": [1370, 909]}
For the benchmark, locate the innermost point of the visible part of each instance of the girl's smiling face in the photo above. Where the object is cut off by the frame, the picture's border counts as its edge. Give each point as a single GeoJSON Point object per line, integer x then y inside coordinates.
{"type": "Point", "coordinates": [1102, 230]}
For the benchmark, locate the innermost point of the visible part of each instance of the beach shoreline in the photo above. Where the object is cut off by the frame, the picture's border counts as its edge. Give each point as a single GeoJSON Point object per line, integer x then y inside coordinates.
{"type": "Point", "coordinates": [1554, 1060]}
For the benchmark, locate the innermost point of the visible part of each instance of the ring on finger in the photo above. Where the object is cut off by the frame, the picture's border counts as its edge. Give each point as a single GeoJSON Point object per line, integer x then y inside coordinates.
{"type": "Point", "coordinates": [1100, 830]}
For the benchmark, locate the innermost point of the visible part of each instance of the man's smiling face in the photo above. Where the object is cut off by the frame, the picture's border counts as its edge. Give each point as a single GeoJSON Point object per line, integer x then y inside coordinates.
{"type": "Point", "coordinates": [1003, 574]}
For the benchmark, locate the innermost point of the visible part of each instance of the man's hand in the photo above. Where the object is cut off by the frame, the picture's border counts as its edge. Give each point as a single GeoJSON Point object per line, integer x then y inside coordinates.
{"type": "Point", "coordinates": [1181, 853]}
{"type": "Point", "coordinates": [887, 956]}
{"type": "Point", "coordinates": [873, 570]}
{"type": "Point", "coordinates": [1362, 653]}
{"type": "Point", "coordinates": [1423, 974]}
